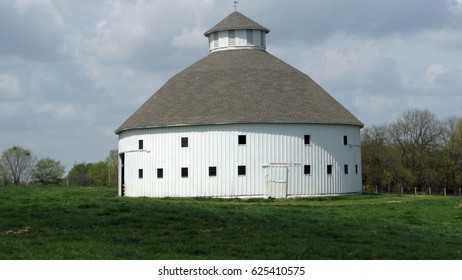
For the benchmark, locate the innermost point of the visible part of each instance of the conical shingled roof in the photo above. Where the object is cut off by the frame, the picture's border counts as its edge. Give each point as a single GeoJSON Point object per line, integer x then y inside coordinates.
{"type": "Point", "coordinates": [236, 21]}
{"type": "Point", "coordinates": [239, 86]}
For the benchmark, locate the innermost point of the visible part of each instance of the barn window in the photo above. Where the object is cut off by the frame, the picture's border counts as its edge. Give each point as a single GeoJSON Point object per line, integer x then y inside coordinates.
{"type": "Point", "coordinates": [140, 173]}
{"type": "Point", "coordinates": [241, 170]}
{"type": "Point", "coordinates": [329, 169]}
{"type": "Point", "coordinates": [232, 37]}
{"type": "Point", "coordinates": [345, 140]}
{"type": "Point", "coordinates": [242, 139]}
{"type": "Point", "coordinates": [184, 172]}
{"type": "Point", "coordinates": [356, 169]}
{"type": "Point", "coordinates": [307, 139]}
{"type": "Point", "coordinates": [249, 37]}
{"type": "Point", "coordinates": [262, 39]}
{"type": "Point", "coordinates": [160, 173]}
{"type": "Point", "coordinates": [212, 171]}
{"type": "Point", "coordinates": [215, 39]}
{"type": "Point", "coordinates": [184, 142]}
{"type": "Point", "coordinates": [345, 168]}
{"type": "Point", "coordinates": [140, 144]}
{"type": "Point", "coordinates": [307, 170]}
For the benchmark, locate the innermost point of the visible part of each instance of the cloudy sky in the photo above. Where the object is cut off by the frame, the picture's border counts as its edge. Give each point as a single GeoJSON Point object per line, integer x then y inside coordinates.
{"type": "Point", "coordinates": [72, 71]}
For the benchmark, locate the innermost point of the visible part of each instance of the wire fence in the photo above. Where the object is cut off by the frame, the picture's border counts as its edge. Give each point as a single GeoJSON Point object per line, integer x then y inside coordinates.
{"type": "Point", "coordinates": [413, 190]}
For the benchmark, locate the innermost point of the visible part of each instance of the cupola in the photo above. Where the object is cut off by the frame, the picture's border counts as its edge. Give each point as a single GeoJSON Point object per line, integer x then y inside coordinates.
{"type": "Point", "coordinates": [237, 32]}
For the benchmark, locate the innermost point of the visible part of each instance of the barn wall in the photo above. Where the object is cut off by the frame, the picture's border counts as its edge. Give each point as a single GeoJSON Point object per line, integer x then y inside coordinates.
{"type": "Point", "coordinates": [269, 150]}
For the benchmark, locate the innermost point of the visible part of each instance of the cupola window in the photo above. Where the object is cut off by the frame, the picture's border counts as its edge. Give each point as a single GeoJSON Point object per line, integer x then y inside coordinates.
{"type": "Point", "coordinates": [249, 37]}
{"type": "Point", "coordinates": [232, 37]}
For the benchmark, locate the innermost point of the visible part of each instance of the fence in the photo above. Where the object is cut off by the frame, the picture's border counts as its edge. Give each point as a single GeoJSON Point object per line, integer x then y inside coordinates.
{"type": "Point", "coordinates": [413, 190]}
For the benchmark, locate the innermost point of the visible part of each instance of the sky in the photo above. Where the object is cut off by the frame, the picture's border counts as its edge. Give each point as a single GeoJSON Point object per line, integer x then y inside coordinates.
{"type": "Point", "coordinates": [71, 72]}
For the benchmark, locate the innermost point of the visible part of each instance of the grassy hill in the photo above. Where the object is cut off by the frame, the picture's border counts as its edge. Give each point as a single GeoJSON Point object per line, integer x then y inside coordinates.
{"type": "Point", "coordinates": [93, 223]}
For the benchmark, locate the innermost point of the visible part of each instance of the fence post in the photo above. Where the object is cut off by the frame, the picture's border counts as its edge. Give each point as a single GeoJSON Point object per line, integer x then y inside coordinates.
{"type": "Point", "coordinates": [415, 191]}
{"type": "Point", "coordinates": [444, 191]}
{"type": "Point", "coordinates": [376, 189]}
{"type": "Point", "coordinates": [460, 191]}
{"type": "Point", "coordinates": [430, 191]}
{"type": "Point", "coordinates": [402, 191]}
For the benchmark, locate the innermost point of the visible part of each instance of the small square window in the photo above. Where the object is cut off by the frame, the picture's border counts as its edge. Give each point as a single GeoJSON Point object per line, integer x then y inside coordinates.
{"type": "Point", "coordinates": [242, 139]}
{"type": "Point", "coordinates": [241, 170]}
{"type": "Point", "coordinates": [329, 169]}
{"type": "Point", "coordinates": [307, 170]}
{"type": "Point", "coordinates": [160, 173]}
{"type": "Point", "coordinates": [307, 139]}
{"type": "Point", "coordinates": [140, 144]}
{"type": "Point", "coordinates": [184, 142]}
{"type": "Point", "coordinates": [345, 140]}
{"type": "Point", "coordinates": [212, 171]}
{"type": "Point", "coordinates": [345, 168]}
{"type": "Point", "coordinates": [184, 172]}
{"type": "Point", "coordinates": [140, 173]}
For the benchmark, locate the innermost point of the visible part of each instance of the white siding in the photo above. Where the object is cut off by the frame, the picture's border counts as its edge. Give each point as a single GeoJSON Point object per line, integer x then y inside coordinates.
{"type": "Point", "coordinates": [217, 145]}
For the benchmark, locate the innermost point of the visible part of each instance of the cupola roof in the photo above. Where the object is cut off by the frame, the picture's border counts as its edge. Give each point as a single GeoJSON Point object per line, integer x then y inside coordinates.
{"type": "Point", "coordinates": [236, 21]}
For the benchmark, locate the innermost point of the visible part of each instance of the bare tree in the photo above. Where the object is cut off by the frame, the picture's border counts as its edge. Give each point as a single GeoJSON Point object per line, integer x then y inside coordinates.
{"type": "Point", "coordinates": [416, 133]}
{"type": "Point", "coordinates": [18, 163]}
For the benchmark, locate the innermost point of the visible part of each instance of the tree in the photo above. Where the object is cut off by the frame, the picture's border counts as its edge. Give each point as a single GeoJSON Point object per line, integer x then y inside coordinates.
{"type": "Point", "coordinates": [18, 164]}
{"type": "Point", "coordinates": [98, 173]}
{"type": "Point", "coordinates": [48, 171]}
{"type": "Point", "coordinates": [416, 133]}
{"type": "Point", "coordinates": [5, 177]}
{"type": "Point", "coordinates": [381, 163]}
{"type": "Point", "coordinates": [113, 165]}
{"type": "Point", "coordinates": [79, 174]}
{"type": "Point", "coordinates": [453, 153]}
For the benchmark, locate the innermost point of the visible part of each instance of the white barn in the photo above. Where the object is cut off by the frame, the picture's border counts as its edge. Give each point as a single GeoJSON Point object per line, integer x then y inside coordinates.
{"type": "Point", "coordinates": [239, 123]}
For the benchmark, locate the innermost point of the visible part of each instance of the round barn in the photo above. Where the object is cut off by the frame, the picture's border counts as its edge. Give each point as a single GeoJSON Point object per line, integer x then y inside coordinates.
{"type": "Point", "coordinates": [239, 123]}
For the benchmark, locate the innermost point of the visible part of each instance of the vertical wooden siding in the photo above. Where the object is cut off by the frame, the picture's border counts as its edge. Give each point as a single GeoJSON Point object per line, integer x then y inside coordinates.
{"type": "Point", "coordinates": [217, 145]}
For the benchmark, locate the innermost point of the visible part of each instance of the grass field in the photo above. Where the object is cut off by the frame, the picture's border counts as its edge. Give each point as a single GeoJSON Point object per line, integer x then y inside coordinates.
{"type": "Point", "coordinates": [93, 223]}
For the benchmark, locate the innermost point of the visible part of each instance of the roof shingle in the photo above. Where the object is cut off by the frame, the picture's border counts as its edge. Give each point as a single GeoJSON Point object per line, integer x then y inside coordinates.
{"type": "Point", "coordinates": [239, 86]}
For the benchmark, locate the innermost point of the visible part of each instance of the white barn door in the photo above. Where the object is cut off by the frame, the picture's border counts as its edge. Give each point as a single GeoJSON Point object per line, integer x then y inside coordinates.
{"type": "Point", "coordinates": [276, 181]}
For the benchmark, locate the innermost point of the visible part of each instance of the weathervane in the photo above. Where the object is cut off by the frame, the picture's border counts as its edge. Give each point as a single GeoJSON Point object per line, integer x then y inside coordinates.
{"type": "Point", "coordinates": [235, 5]}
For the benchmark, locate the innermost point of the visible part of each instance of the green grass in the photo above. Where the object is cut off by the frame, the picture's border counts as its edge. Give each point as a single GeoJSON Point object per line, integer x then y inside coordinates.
{"type": "Point", "coordinates": [93, 223]}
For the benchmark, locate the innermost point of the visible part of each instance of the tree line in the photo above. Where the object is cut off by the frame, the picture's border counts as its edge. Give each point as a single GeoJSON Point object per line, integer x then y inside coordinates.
{"type": "Point", "coordinates": [19, 166]}
{"type": "Point", "coordinates": [416, 152]}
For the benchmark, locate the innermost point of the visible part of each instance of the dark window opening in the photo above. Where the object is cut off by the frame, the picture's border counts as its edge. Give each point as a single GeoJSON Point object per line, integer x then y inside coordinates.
{"type": "Point", "coordinates": [307, 139]}
{"type": "Point", "coordinates": [356, 169]}
{"type": "Point", "coordinates": [241, 170]}
{"type": "Point", "coordinates": [345, 140]}
{"type": "Point", "coordinates": [345, 168]}
{"type": "Point", "coordinates": [307, 170]}
{"type": "Point", "coordinates": [140, 144]}
{"type": "Point", "coordinates": [140, 173]}
{"type": "Point", "coordinates": [329, 169]}
{"type": "Point", "coordinates": [242, 139]}
{"type": "Point", "coordinates": [160, 173]}
{"type": "Point", "coordinates": [212, 171]}
{"type": "Point", "coordinates": [184, 172]}
{"type": "Point", "coordinates": [184, 142]}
